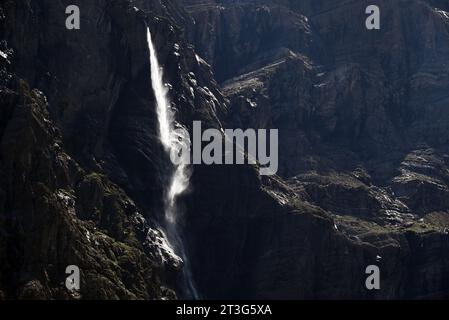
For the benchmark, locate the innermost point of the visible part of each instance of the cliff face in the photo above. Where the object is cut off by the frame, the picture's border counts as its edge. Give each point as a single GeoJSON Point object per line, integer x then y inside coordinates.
{"type": "Point", "coordinates": [55, 214]}
{"type": "Point", "coordinates": [363, 136]}
{"type": "Point", "coordinates": [59, 205]}
{"type": "Point", "coordinates": [363, 131]}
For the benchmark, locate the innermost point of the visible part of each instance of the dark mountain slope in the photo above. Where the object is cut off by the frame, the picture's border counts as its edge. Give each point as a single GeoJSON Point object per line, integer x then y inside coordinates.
{"type": "Point", "coordinates": [362, 114]}
{"type": "Point", "coordinates": [247, 236]}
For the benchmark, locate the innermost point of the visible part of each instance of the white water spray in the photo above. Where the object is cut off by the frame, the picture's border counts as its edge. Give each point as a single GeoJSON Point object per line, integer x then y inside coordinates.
{"type": "Point", "coordinates": [180, 177]}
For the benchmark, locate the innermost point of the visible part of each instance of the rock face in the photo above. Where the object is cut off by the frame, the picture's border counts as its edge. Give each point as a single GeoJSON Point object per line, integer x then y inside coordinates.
{"type": "Point", "coordinates": [55, 214]}
{"type": "Point", "coordinates": [59, 210]}
{"type": "Point", "coordinates": [363, 158]}
{"type": "Point", "coordinates": [363, 140]}
{"type": "Point", "coordinates": [102, 206]}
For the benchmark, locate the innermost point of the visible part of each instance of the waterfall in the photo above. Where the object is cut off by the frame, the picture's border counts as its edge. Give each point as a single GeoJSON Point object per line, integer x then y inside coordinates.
{"type": "Point", "coordinates": [180, 175]}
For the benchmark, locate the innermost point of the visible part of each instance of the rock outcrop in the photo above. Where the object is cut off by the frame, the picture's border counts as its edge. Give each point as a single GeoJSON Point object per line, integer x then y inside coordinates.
{"type": "Point", "coordinates": [363, 159]}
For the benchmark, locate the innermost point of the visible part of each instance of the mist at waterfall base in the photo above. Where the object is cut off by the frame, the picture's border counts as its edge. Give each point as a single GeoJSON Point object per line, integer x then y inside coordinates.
{"type": "Point", "coordinates": [180, 175]}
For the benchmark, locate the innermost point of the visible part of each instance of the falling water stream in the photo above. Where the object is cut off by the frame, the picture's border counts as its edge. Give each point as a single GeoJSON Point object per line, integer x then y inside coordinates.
{"type": "Point", "coordinates": [179, 176]}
